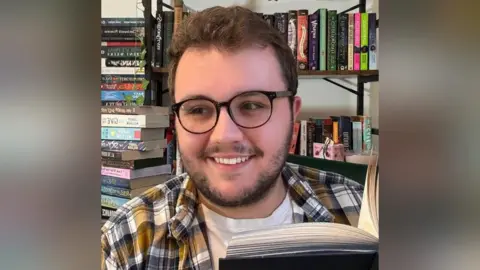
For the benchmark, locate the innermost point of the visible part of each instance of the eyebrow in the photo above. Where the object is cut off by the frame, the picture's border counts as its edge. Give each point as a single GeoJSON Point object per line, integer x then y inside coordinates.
{"type": "Point", "coordinates": [199, 96]}
{"type": "Point", "coordinates": [194, 97]}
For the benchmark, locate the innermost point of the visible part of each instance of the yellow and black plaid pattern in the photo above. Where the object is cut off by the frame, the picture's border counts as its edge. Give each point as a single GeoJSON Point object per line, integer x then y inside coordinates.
{"type": "Point", "coordinates": [161, 229]}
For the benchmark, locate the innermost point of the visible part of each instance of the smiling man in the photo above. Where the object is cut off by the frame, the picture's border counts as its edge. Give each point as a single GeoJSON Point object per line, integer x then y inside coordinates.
{"type": "Point", "coordinates": [233, 81]}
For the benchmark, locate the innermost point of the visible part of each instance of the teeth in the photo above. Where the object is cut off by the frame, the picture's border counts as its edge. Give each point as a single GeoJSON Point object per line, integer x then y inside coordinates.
{"type": "Point", "coordinates": [231, 160]}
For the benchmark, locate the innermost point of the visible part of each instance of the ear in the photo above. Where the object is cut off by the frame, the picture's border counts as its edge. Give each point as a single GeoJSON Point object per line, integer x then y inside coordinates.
{"type": "Point", "coordinates": [297, 106]}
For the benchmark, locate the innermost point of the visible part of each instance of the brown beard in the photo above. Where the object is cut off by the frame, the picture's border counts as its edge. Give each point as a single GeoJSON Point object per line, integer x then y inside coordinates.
{"type": "Point", "coordinates": [265, 182]}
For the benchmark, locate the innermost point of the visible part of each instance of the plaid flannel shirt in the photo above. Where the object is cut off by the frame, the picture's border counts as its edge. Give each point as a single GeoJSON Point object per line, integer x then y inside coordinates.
{"type": "Point", "coordinates": [161, 230]}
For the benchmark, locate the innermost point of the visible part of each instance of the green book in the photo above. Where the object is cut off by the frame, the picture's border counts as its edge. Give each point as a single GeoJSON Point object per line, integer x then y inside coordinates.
{"type": "Point", "coordinates": [364, 41]}
{"type": "Point", "coordinates": [332, 40]}
{"type": "Point", "coordinates": [323, 39]}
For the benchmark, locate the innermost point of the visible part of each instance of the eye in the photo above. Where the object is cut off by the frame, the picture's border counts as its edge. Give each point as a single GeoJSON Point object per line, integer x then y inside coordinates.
{"type": "Point", "coordinates": [252, 106]}
{"type": "Point", "coordinates": [197, 110]}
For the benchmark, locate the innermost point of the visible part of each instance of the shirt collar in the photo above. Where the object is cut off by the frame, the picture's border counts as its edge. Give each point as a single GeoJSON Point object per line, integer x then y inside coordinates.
{"type": "Point", "coordinates": [298, 188]}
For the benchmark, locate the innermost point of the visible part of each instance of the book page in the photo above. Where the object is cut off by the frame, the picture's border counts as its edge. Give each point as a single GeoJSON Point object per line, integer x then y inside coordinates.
{"type": "Point", "coordinates": [368, 212]}
{"type": "Point", "coordinates": [301, 238]}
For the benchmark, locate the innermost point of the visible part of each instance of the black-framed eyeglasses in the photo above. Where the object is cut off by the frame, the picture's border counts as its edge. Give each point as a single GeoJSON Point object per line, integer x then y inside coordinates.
{"type": "Point", "coordinates": [248, 110]}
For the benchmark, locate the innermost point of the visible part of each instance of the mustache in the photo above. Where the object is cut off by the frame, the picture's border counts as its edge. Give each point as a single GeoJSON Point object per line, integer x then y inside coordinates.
{"type": "Point", "coordinates": [230, 148]}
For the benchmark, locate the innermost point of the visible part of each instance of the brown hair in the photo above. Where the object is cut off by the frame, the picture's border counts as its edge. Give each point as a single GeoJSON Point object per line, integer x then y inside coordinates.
{"type": "Point", "coordinates": [230, 28]}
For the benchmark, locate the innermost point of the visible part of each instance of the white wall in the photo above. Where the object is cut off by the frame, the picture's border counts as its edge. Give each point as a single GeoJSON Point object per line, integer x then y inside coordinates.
{"type": "Point", "coordinates": [320, 98]}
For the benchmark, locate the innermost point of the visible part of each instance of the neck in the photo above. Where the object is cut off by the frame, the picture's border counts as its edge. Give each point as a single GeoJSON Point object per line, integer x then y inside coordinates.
{"type": "Point", "coordinates": [261, 209]}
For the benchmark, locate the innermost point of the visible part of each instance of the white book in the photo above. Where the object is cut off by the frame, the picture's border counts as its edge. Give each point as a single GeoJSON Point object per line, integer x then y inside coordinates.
{"type": "Point", "coordinates": [136, 121]}
{"type": "Point", "coordinates": [303, 137]}
{"type": "Point", "coordinates": [120, 70]}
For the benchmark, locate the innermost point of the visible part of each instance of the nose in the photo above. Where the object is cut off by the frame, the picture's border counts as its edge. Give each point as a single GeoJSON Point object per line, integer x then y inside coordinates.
{"type": "Point", "coordinates": [226, 131]}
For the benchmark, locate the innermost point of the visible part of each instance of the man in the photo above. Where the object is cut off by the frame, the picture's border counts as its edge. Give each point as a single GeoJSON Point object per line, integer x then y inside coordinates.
{"type": "Point", "coordinates": [233, 82]}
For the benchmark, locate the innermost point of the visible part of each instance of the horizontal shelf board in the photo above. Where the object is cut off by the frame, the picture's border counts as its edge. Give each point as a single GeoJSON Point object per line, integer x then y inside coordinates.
{"type": "Point", "coordinates": [337, 73]}
{"type": "Point", "coordinates": [313, 73]}
{"type": "Point", "coordinates": [159, 70]}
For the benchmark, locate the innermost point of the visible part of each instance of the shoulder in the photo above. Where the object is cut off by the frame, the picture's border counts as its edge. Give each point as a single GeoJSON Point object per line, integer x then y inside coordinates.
{"type": "Point", "coordinates": [341, 195]}
{"type": "Point", "coordinates": [130, 231]}
{"type": "Point", "coordinates": [317, 177]}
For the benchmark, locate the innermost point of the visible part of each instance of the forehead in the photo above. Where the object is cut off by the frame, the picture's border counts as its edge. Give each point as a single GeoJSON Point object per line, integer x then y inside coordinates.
{"type": "Point", "coordinates": [221, 75]}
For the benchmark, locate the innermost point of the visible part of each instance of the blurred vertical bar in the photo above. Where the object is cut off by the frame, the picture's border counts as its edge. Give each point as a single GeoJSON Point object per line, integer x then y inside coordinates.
{"type": "Point", "coordinates": [49, 139]}
{"type": "Point", "coordinates": [429, 111]}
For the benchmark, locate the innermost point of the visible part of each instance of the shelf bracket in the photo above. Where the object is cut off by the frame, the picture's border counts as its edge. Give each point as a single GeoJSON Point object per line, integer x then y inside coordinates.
{"type": "Point", "coordinates": [367, 79]}
{"type": "Point", "coordinates": [167, 6]}
{"type": "Point", "coordinates": [350, 9]}
{"type": "Point", "coordinates": [341, 86]}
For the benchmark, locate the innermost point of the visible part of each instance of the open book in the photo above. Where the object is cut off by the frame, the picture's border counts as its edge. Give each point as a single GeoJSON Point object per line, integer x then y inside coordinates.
{"type": "Point", "coordinates": [312, 245]}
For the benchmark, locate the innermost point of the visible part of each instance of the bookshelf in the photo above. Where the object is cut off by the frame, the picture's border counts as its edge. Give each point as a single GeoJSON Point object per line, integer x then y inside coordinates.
{"type": "Point", "coordinates": [158, 75]}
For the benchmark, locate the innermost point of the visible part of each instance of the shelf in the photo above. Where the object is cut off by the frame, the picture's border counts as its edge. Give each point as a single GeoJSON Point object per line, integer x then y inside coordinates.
{"type": "Point", "coordinates": [159, 70]}
{"type": "Point", "coordinates": [337, 73]}
{"type": "Point", "coordinates": [315, 73]}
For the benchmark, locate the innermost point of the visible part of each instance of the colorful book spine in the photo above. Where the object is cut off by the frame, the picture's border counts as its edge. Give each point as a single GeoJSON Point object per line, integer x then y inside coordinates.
{"type": "Point", "coordinates": [116, 191]}
{"type": "Point", "coordinates": [346, 132]}
{"type": "Point", "coordinates": [342, 41]}
{"type": "Point", "coordinates": [313, 41]}
{"type": "Point", "coordinates": [112, 202]}
{"type": "Point", "coordinates": [158, 43]}
{"type": "Point", "coordinates": [114, 181]}
{"type": "Point", "coordinates": [120, 95]}
{"type": "Point", "coordinates": [121, 70]}
{"type": "Point", "coordinates": [122, 86]}
{"type": "Point", "coordinates": [327, 129]}
{"type": "Point", "coordinates": [121, 78]}
{"type": "Point", "coordinates": [335, 129]}
{"type": "Point", "coordinates": [364, 41]}
{"type": "Point", "coordinates": [332, 40]}
{"type": "Point", "coordinates": [117, 172]}
{"type": "Point", "coordinates": [168, 25]}
{"type": "Point", "coordinates": [357, 136]}
{"type": "Point", "coordinates": [133, 174]}
{"type": "Point", "coordinates": [367, 134]}
{"type": "Point", "coordinates": [292, 32]}
{"type": "Point", "coordinates": [302, 39]}
{"type": "Point", "coordinates": [107, 212]}
{"type": "Point", "coordinates": [281, 24]}
{"type": "Point", "coordinates": [351, 34]}
{"type": "Point", "coordinates": [356, 43]}
{"type": "Point", "coordinates": [323, 39]}
{"type": "Point", "coordinates": [303, 138]}
{"type": "Point", "coordinates": [116, 145]}
{"type": "Point", "coordinates": [123, 21]}
{"type": "Point", "coordinates": [113, 133]}
{"type": "Point", "coordinates": [372, 41]}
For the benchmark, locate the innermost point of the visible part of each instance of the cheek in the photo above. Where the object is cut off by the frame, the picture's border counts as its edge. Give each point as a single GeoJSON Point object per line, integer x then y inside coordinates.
{"type": "Point", "coordinates": [272, 135]}
{"type": "Point", "coordinates": [190, 144]}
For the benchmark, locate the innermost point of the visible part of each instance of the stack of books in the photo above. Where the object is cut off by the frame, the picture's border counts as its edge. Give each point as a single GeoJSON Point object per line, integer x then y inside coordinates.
{"type": "Point", "coordinates": [133, 147]}
{"type": "Point", "coordinates": [122, 72]}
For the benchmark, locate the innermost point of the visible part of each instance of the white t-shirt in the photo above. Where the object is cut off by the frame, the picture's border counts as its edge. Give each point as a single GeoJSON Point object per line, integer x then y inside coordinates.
{"type": "Point", "coordinates": [220, 229]}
